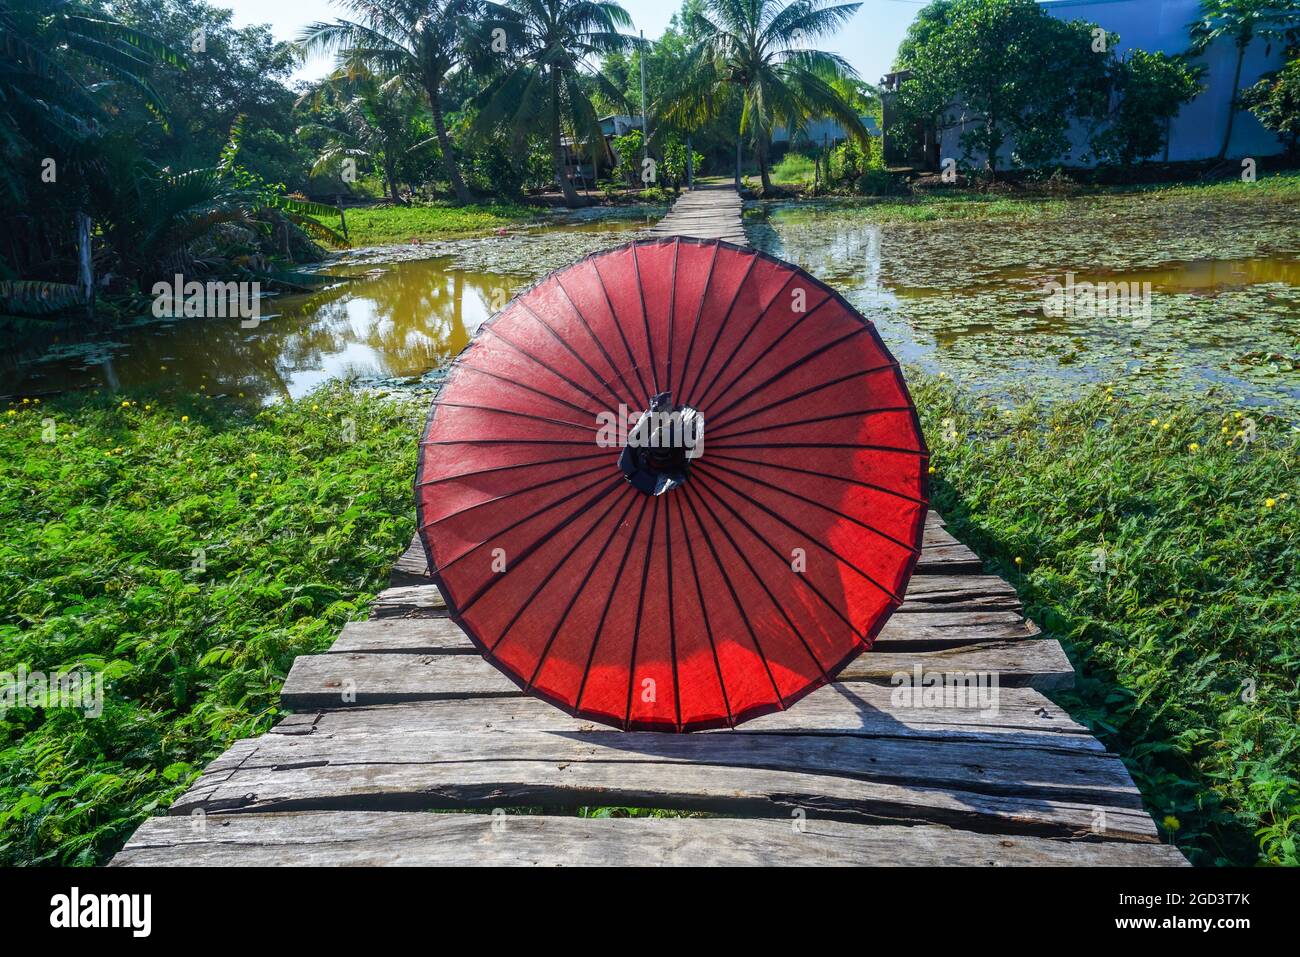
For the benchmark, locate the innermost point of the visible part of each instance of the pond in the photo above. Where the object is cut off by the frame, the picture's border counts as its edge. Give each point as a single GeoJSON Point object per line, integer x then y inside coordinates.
{"type": "Point", "coordinates": [401, 312]}
{"type": "Point", "coordinates": [1210, 299]}
{"type": "Point", "coordinates": [1169, 293]}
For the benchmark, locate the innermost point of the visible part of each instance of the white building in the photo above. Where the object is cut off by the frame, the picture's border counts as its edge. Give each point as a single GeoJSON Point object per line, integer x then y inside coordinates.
{"type": "Point", "coordinates": [1196, 133]}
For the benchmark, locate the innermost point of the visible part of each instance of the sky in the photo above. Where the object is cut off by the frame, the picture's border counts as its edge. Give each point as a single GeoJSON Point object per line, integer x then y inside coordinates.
{"type": "Point", "coordinates": [868, 42]}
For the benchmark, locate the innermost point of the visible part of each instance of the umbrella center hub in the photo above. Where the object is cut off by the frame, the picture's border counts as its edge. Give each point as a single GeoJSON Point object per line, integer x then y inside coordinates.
{"type": "Point", "coordinates": [661, 446]}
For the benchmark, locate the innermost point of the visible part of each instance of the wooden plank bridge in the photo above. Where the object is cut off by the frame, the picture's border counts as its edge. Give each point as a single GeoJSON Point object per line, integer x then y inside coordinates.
{"type": "Point", "coordinates": [401, 717]}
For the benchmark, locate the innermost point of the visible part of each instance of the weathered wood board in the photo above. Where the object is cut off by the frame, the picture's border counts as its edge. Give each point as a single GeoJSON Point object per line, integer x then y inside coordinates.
{"type": "Point", "coordinates": [370, 838]}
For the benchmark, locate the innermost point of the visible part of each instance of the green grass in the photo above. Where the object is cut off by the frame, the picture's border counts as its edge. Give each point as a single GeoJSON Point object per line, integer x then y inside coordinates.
{"type": "Point", "coordinates": [1196, 602]}
{"type": "Point", "coordinates": [793, 168]}
{"type": "Point", "coordinates": [946, 205]}
{"type": "Point", "coordinates": [1185, 630]}
{"type": "Point", "coordinates": [299, 511]}
{"type": "Point", "coordinates": [379, 225]}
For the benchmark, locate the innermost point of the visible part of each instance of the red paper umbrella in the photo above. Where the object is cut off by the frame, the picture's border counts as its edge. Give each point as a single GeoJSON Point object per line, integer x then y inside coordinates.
{"type": "Point", "coordinates": [674, 486]}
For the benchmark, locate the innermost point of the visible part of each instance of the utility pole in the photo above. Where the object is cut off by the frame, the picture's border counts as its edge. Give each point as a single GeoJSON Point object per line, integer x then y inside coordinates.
{"type": "Point", "coordinates": [645, 132]}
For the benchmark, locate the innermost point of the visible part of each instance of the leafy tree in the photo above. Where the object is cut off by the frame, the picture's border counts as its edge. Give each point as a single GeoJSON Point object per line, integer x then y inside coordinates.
{"type": "Point", "coordinates": [1275, 101]}
{"type": "Point", "coordinates": [229, 72]}
{"type": "Point", "coordinates": [66, 69]}
{"type": "Point", "coordinates": [1240, 22]}
{"type": "Point", "coordinates": [1149, 89]}
{"type": "Point", "coordinates": [757, 51]}
{"type": "Point", "coordinates": [372, 126]}
{"type": "Point", "coordinates": [1009, 69]}
{"type": "Point", "coordinates": [424, 42]}
{"type": "Point", "coordinates": [544, 85]}
{"type": "Point", "coordinates": [627, 157]}
{"type": "Point", "coordinates": [674, 166]}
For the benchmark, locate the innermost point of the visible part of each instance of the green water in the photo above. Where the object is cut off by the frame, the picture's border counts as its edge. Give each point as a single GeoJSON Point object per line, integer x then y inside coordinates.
{"type": "Point", "coordinates": [962, 297]}
{"type": "Point", "coordinates": [968, 298]}
{"type": "Point", "coordinates": [403, 312]}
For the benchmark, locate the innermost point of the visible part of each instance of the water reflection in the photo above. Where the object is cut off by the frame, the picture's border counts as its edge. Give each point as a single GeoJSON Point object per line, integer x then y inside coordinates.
{"type": "Point", "coordinates": [400, 315]}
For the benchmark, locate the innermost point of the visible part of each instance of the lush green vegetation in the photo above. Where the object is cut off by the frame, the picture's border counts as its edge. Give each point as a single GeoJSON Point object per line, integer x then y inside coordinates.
{"type": "Point", "coordinates": [377, 225]}
{"type": "Point", "coordinates": [188, 549]}
{"type": "Point", "coordinates": [1074, 75]}
{"type": "Point", "coordinates": [1159, 544]}
{"type": "Point", "coordinates": [944, 205]}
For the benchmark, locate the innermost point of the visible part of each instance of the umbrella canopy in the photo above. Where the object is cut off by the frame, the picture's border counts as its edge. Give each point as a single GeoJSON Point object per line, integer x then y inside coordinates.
{"type": "Point", "coordinates": [674, 486]}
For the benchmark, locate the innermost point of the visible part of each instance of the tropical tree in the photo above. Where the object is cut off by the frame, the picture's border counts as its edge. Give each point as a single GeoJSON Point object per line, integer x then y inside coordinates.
{"type": "Point", "coordinates": [424, 42]}
{"type": "Point", "coordinates": [550, 49]}
{"type": "Point", "coordinates": [63, 68]}
{"type": "Point", "coordinates": [758, 51]}
{"type": "Point", "coordinates": [1240, 22]}
{"type": "Point", "coordinates": [372, 125]}
{"type": "Point", "coordinates": [1008, 71]}
{"type": "Point", "coordinates": [1275, 101]}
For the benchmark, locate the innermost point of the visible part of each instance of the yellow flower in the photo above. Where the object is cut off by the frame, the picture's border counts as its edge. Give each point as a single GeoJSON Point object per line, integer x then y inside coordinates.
{"type": "Point", "coordinates": [148, 407]}
{"type": "Point", "coordinates": [1193, 447]}
{"type": "Point", "coordinates": [126, 405]}
{"type": "Point", "coordinates": [1237, 415]}
{"type": "Point", "coordinates": [118, 450]}
{"type": "Point", "coordinates": [1165, 427]}
{"type": "Point", "coordinates": [252, 475]}
{"type": "Point", "coordinates": [1019, 561]}
{"type": "Point", "coordinates": [1154, 423]}
{"type": "Point", "coordinates": [1224, 430]}
{"type": "Point", "coordinates": [1270, 502]}
{"type": "Point", "coordinates": [931, 470]}
{"type": "Point", "coordinates": [1171, 823]}
{"type": "Point", "coordinates": [203, 388]}
{"type": "Point", "coordinates": [315, 408]}
{"type": "Point", "coordinates": [12, 412]}
{"type": "Point", "coordinates": [184, 419]}
{"type": "Point", "coordinates": [27, 401]}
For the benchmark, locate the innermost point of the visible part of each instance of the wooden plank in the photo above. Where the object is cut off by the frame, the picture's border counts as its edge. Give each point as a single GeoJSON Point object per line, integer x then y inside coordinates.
{"type": "Point", "coordinates": [342, 680]}
{"type": "Point", "coordinates": [938, 552]}
{"type": "Point", "coordinates": [925, 593]}
{"type": "Point", "coordinates": [979, 787]}
{"type": "Point", "coordinates": [901, 633]}
{"type": "Point", "coordinates": [366, 839]}
{"type": "Point", "coordinates": [1022, 716]}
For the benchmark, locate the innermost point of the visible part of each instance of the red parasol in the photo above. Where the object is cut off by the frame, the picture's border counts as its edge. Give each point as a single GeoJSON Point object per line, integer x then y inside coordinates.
{"type": "Point", "coordinates": [674, 486]}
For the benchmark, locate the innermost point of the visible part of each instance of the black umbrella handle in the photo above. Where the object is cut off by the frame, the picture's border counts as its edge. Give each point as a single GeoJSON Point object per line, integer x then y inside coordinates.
{"type": "Point", "coordinates": [662, 445]}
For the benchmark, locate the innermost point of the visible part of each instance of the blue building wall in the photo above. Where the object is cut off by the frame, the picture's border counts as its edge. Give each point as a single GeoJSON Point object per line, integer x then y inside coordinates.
{"type": "Point", "coordinates": [1162, 25]}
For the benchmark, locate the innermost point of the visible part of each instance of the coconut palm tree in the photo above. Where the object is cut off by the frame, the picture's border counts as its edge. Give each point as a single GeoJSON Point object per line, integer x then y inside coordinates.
{"type": "Point", "coordinates": [372, 125]}
{"type": "Point", "coordinates": [550, 44]}
{"type": "Point", "coordinates": [1241, 21]}
{"type": "Point", "coordinates": [758, 51]}
{"type": "Point", "coordinates": [424, 42]}
{"type": "Point", "coordinates": [62, 66]}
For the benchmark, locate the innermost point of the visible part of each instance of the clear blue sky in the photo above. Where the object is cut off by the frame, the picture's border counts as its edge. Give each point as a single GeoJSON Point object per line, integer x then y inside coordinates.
{"type": "Point", "coordinates": [868, 42]}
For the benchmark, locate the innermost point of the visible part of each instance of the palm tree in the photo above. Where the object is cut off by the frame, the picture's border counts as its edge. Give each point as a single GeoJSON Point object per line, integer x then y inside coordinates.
{"type": "Point", "coordinates": [373, 125]}
{"type": "Point", "coordinates": [550, 43]}
{"type": "Point", "coordinates": [54, 58]}
{"type": "Point", "coordinates": [757, 50]}
{"type": "Point", "coordinates": [1241, 21]}
{"type": "Point", "coordinates": [424, 42]}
